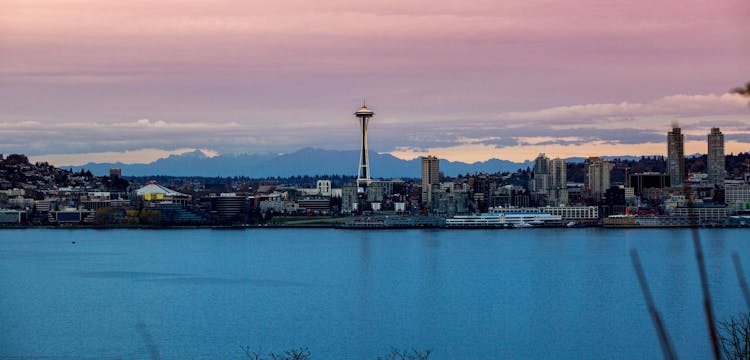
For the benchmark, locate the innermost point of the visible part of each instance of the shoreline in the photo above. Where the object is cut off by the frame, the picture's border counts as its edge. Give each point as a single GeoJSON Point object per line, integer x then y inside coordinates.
{"type": "Point", "coordinates": [340, 227]}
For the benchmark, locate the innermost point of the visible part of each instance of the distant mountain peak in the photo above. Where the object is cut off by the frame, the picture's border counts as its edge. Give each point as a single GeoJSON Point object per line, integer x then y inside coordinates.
{"type": "Point", "coordinates": [306, 161]}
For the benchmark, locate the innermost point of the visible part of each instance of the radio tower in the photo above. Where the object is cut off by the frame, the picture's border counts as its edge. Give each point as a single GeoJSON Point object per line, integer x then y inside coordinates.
{"type": "Point", "coordinates": [363, 170]}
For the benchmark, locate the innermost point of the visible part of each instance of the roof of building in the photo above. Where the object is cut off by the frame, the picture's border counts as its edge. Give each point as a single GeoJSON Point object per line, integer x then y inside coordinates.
{"type": "Point", "coordinates": [157, 189]}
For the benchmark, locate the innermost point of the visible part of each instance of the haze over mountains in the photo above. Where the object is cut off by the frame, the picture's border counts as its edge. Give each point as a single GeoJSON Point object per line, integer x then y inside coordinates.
{"type": "Point", "coordinates": [307, 161]}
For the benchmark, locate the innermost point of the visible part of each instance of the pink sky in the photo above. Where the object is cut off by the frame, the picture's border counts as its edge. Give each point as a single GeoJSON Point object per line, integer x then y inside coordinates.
{"type": "Point", "coordinates": [464, 80]}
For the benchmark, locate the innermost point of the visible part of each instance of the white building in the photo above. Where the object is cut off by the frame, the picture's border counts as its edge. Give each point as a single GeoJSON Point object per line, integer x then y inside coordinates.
{"type": "Point", "coordinates": [503, 219]}
{"type": "Point", "coordinates": [568, 213]}
{"type": "Point", "coordinates": [324, 187]}
{"type": "Point", "coordinates": [155, 193]}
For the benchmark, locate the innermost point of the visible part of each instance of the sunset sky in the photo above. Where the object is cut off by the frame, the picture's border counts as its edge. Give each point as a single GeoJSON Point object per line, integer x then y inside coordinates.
{"type": "Point", "coordinates": [96, 80]}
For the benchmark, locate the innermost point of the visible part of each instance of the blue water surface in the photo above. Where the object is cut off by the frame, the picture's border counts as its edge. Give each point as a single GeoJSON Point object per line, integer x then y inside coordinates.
{"type": "Point", "coordinates": [471, 294]}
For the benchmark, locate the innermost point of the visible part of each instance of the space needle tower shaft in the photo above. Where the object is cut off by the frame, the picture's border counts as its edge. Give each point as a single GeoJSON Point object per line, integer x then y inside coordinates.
{"type": "Point", "coordinates": [364, 115]}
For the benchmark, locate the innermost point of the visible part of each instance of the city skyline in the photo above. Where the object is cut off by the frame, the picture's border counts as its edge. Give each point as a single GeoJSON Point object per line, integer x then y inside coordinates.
{"type": "Point", "coordinates": [98, 81]}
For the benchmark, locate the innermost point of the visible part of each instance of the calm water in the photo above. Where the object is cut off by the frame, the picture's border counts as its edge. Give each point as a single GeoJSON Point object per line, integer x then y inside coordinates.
{"type": "Point", "coordinates": [529, 293]}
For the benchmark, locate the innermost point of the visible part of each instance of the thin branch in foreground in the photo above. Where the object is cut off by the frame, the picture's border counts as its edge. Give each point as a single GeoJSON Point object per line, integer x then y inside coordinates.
{"type": "Point", "coordinates": [735, 337]}
{"type": "Point", "coordinates": [741, 278]}
{"type": "Point", "coordinates": [153, 350]}
{"type": "Point", "coordinates": [707, 308]}
{"type": "Point", "coordinates": [666, 344]}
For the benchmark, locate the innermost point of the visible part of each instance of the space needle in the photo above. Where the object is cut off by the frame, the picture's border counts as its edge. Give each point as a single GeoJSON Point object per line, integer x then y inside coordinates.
{"type": "Point", "coordinates": [363, 170]}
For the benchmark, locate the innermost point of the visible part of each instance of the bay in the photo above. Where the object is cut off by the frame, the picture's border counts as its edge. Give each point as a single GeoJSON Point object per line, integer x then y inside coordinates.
{"type": "Point", "coordinates": [353, 294]}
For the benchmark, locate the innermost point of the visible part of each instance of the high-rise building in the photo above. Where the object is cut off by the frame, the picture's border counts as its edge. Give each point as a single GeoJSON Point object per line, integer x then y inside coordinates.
{"type": "Point", "coordinates": [541, 182]}
{"type": "Point", "coordinates": [716, 163]}
{"type": "Point", "coordinates": [541, 164]}
{"type": "Point", "coordinates": [363, 170]}
{"type": "Point", "coordinates": [430, 176]}
{"type": "Point", "coordinates": [596, 176]}
{"type": "Point", "coordinates": [676, 156]}
{"type": "Point", "coordinates": [558, 181]}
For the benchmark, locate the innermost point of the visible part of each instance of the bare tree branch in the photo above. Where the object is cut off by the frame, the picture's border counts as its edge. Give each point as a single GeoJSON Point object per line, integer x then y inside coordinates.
{"type": "Point", "coordinates": [664, 341]}
{"type": "Point", "coordinates": [741, 278]}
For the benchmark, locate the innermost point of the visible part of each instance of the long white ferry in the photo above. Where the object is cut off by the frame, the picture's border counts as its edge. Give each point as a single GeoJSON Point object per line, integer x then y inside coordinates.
{"type": "Point", "coordinates": [504, 219]}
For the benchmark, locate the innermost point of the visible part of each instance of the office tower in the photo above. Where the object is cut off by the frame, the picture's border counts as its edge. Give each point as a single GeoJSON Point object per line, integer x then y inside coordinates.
{"type": "Point", "coordinates": [541, 181]}
{"type": "Point", "coordinates": [430, 176]}
{"type": "Point", "coordinates": [716, 163]}
{"type": "Point", "coordinates": [596, 176]}
{"type": "Point", "coordinates": [558, 181]}
{"type": "Point", "coordinates": [676, 156]}
{"type": "Point", "coordinates": [363, 170]}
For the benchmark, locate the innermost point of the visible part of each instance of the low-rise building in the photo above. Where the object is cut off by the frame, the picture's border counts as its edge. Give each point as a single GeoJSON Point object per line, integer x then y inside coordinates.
{"type": "Point", "coordinates": [155, 193]}
{"type": "Point", "coordinates": [702, 215]}
{"type": "Point", "coordinates": [568, 213]}
{"type": "Point", "coordinates": [315, 206]}
{"type": "Point", "coordinates": [12, 216]}
{"type": "Point", "coordinates": [737, 196]}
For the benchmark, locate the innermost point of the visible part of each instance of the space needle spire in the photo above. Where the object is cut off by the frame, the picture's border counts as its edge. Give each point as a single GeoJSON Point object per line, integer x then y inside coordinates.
{"type": "Point", "coordinates": [363, 170]}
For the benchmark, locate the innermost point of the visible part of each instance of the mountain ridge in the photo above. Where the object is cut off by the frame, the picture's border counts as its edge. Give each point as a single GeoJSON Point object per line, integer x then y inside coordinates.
{"type": "Point", "coordinates": [306, 161]}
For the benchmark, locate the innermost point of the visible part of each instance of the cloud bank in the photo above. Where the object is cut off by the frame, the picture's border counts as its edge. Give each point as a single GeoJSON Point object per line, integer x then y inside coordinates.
{"type": "Point", "coordinates": [576, 130]}
{"type": "Point", "coordinates": [92, 76]}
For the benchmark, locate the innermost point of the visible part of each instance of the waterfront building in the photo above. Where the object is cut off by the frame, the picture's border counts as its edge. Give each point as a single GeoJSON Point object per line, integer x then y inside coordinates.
{"type": "Point", "coordinates": [430, 176]}
{"type": "Point", "coordinates": [315, 206]}
{"type": "Point", "coordinates": [676, 156]}
{"type": "Point", "coordinates": [716, 162]}
{"type": "Point", "coordinates": [71, 216]}
{"type": "Point", "coordinates": [702, 215]}
{"type": "Point", "coordinates": [597, 176]}
{"type": "Point", "coordinates": [618, 220]}
{"type": "Point", "coordinates": [17, 202]}
{"type": "Point", "coordinates": [504, 219]}
{"type": "Point", "coordinates": [12, 216]}
{"type": "Point", "coordinates": [228, 206]}
{"type": "Point", "coordinates": [364, 114]}
{"type": "Point", "coordinates": [568, 213]}
{"type": "Point", "coordinates": [737, 196]}
{"type": "Point", "coordinates": [171, 213]}
{"type": "Point", "coordinates": [558, 182]}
